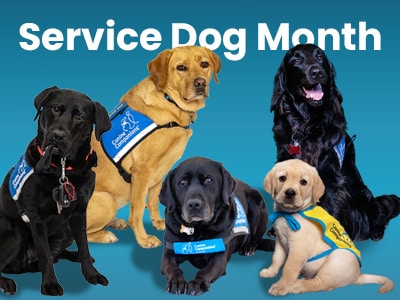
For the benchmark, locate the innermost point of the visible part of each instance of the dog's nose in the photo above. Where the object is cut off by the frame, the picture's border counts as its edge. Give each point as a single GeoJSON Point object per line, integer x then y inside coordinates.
{"type": "Point", "coordinates": [290, 193]}
{"type": "Point", "coordinates": [194, 203]}
{"type": "Point", "coordinates": [316, 72]}
{"type": "Point", "coordinates": [58, 135]}
{"type": "Point", "coordinates": [200, 82]}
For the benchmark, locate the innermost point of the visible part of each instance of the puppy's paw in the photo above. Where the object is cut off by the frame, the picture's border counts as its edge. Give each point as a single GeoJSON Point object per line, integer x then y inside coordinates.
{"type": "Point", "coordinates": [176, 286]}
{"type": "Point", "coordinates": [7, 286]}
{"type": "Point", "coordinates": [268, 273]}
{"type": "Point", "coordinates": [198, 287]}
{"type": "Point", "coordinates": [278, 289]}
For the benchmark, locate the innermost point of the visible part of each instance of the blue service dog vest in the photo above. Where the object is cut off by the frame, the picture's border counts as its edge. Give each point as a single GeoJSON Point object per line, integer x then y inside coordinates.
{"type": "Point", "coordinates": [128, 129]}
{"type": "Point", "coordinates": [332, 231]}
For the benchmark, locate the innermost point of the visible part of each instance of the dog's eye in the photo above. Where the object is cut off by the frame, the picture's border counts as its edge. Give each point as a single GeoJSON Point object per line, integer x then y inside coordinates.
{"type": "Point", "coordinates": [56, 109]}
{"type": "Point", "coordinates": [207, 180]}
{"type": "Point", "coordinates": [204, 64]}
{"type": "Point", "coordinates": [303, 182]}
{"type": "Point", "coordinates": [282, 178]}
{"type": "Point", "coordinates": [78, 117]}
{"type": "Point", "coordinates": [181, 68]}
{"type": "Point", "coordinates": [320, 57]}
{"type": "Point", "coordinates": [298, 61]}
{"type": "Point", "coordinates": [183, 182]}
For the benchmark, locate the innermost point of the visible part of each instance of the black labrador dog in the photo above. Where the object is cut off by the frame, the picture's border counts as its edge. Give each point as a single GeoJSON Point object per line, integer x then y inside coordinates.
{"type": "Point", "coordinates": [43, 198]}
{"type": "Point", "coordinates": [209, 215]}
{"type": "Point", "coordinates": [309, 124]}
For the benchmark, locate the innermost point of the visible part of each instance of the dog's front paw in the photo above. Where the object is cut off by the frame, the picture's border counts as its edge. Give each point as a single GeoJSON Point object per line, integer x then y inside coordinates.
{"type": "Point", "coordinates": [95, 277]}
{"type": "Point", "coordinates": [278, 289]}
{"type": "Point", "coordinates": [149, 241]}
{"type": "Point", "coordinates": [51, 289]}
{"type": "Point", "coordinates": [176, 286]}
{"type": "Point", "coordinates": [7, 286]}
{"type": "Point", "coordinates": [158, 224]}
{"type": "Point", "coordinates": [268, 273]}
{"type": "Point", "coordinates": [198, 287]}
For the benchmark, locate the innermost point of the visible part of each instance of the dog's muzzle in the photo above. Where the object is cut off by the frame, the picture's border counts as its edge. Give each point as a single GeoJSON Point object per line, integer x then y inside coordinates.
{"type": "Point", "coordinates": [196, 210]}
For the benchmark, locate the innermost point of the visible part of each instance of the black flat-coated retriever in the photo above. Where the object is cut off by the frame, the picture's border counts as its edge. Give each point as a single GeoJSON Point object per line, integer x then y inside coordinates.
{"type": "Point", "coordinates": [309, 124]}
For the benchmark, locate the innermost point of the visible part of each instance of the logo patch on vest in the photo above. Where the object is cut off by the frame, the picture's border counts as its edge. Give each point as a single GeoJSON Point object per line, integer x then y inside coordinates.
{"type": "Point", "coordinates": [128, 128]}
{"type": "Point", "coordinates": [18, 177]}
{"type": "Point", "coordinates": [200, 247]}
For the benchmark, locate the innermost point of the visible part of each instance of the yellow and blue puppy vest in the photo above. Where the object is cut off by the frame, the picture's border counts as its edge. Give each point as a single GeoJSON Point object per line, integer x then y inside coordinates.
{"type": "Point", "coordinates": [332, 231]}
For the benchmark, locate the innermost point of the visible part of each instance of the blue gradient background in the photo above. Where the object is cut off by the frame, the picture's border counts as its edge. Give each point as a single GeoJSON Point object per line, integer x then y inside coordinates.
{"type": "Point", "coordinates": [234, 128]}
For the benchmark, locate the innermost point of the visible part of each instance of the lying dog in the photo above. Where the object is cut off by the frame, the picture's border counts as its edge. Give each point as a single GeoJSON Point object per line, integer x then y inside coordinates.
{"type": "Point", "coordinates": [309, 241]}
{"type": "Point", "coordinates": [160, 109]}
{"type": "Point", "coordinates": [309, 124]}
{"type": "Point", "coordinates": [209, 215]}
{"type": "Point", "coordinates": [43, 199]}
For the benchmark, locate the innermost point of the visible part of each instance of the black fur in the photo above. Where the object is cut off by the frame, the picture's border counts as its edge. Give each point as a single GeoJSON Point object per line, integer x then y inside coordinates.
{"type": "Point", "coordinates": [318, 125]}
{"type": "Point", "coordinates": [65, 125]}
{"type": "Point", "coordinates": [199, 193]}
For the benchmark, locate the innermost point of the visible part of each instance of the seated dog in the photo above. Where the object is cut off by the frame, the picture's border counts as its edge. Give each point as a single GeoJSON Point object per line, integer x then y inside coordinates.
{"type": "Point", "coordinates": [209, 215]}
{"type": "Point", "coordinates": [309, 241]}
{"type": "Point", "coordinates": [43, 199]}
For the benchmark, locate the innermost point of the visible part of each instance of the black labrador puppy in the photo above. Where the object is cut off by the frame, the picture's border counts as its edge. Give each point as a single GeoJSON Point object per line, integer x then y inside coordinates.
{"type": "Point", "coordinates": [43, 198]}
{"type": "Point", "coordinates": [309, 124]}
{"type": "Point", "coordinates": [209, 215]}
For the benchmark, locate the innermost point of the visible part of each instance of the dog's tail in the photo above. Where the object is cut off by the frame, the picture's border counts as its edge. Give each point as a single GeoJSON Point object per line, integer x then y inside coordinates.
{"type": "Point", "coordinates": [388, 208]}
{"type": "Point", "coordinates": [391, 205]}
{"type": "Point", "coordinates": [386, 284]}
{"type": "Point", "coordinates": [266, 245]}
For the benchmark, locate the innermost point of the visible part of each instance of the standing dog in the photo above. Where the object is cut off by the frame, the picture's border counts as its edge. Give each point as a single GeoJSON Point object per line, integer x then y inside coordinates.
{"type": "Point", "coordinates": [309, 241]}
{"type": "Point", "coordinates": [43, 199]}
{"type": "Point", "coordinates": [309, 124]}
{"type": "Point", "coordinates": [209, 216]}
{"type": "Point", "coordinates": [167, 102]}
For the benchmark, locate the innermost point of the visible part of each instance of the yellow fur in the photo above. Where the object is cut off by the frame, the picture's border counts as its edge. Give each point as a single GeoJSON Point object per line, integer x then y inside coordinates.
{"type": "Point", "coordinates": [155, 155]}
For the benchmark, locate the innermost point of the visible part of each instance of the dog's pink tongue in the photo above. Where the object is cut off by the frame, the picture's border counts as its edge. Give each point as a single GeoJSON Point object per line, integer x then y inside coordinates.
{"type": "Point", "coordinates": [314, 93]}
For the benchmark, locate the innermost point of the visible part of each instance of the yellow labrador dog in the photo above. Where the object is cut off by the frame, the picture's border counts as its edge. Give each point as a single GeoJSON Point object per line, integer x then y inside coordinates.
{"type": "Point", "coordinates": [167, 100]}
{"type": "Point", "coordinates": [309, 242]}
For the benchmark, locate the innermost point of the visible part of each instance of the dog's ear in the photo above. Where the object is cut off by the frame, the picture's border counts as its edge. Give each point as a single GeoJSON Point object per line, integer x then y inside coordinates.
{"type": "Point", "coordinates": [167, 195]}
{"type": "Point", "coordinates": [279, 87]}
{"type": "Point", "coordinates": [41, 99]}
{"type": "Point", "coordinates": [215, 63]}
{"type": "Point", "coordinates": [102, 119]}
{"type": "Point", "coordinates": [228, 184]}
{"type": "Point", "coordinates": [318, 188]}
{"type": "Point", "coordinates": [158, 69]}
{"type": "Point", "coordinates": [269, 181]}
{"type": "Point", "coordinates": [336, 96]}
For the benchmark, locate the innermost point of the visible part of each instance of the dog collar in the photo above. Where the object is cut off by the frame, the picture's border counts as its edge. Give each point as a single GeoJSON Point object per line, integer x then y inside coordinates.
{"type": "Point", "coordinates": [68, 168]}
{"type": "Point", "coordinates": [295, 149]}
{"type": "Point", "coordinates": [240, 227]}
{"type": "Point", "coordinates": [290, 220]}
{"type": "Point", "coordinates": [191, 113]}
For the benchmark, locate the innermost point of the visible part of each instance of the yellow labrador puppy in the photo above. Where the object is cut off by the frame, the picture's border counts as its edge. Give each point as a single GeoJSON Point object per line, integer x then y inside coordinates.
{"type": "Point", "coordinates": [152, 124]}
{"type": "Point", "coordinates": [309, 242]}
